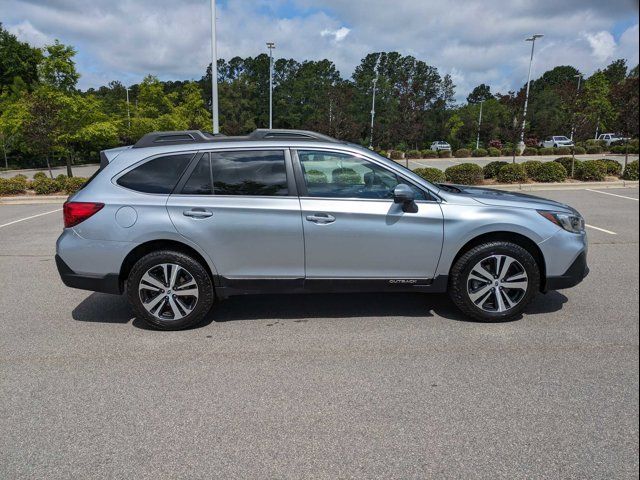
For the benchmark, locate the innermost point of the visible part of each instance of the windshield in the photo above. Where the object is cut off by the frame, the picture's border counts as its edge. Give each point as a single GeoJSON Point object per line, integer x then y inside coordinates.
{"type": "Point", "coordinates": [562, 138]}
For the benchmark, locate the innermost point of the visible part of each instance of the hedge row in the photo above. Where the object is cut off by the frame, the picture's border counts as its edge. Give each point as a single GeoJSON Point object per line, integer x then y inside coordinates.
{"type": "Point", "coordinates": [41, 184]}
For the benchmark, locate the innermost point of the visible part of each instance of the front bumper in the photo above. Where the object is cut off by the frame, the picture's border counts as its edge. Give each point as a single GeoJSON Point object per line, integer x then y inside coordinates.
{"type": "Point", "coordinates": [105, 284]}
{"type": "Point", "coordinates": [572, 277]}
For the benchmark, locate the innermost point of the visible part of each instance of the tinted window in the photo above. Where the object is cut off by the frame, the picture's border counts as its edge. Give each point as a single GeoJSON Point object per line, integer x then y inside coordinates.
{"type": "Point", "coordinates": [199, 182]}
{"type": "Point", "coordinates": [340, 175]}
{"type": "Point", "coordinates": [159, 175]}
{"type": "Point", "coordinates": [249, 173]}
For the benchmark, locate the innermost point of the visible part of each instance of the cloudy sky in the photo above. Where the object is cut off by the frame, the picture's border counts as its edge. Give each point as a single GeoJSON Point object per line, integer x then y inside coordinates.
{"type": "Point", "coordinates": [479, 41]}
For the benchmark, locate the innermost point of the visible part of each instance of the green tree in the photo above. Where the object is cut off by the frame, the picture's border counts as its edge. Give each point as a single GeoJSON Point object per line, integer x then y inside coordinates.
{"type": "Point", "coordinates": [479, 94]}
{"type": "Point", "coordinates": [17, 60]}
{"type": "Point", "coordinates": [57, 68]}
{"type": "Point", "coordinates": [616, 71]}
{"type": "Point", "coordinates": [594, 108]}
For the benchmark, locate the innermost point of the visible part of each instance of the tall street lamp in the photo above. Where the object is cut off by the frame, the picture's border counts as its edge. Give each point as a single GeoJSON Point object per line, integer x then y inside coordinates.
{"type": "Point", "coordinates": [479, 124]}
{"type": "Point", "coordinates": [573, 120]}
{"type": "Point", "coordinates": [128, 112]}
{"type": "Point", "coordinates": [214, 72]}
{"type": "Point", "coordinates": [271, 46]}
{"type": "Point", "coordinates": [531, 39]}
{"type": "Point", "coordinates": [373, 99]}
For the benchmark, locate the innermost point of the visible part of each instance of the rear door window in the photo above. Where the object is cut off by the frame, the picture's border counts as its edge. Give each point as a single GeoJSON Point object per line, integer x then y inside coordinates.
{"type": "Point", "coordinates": [250, 172]}
{"type": "Point", "coordinates": [159, 175]}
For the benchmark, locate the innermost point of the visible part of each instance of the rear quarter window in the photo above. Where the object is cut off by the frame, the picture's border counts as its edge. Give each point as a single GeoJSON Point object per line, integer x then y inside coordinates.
{"type": "Point", "coordinates": [158, 175]}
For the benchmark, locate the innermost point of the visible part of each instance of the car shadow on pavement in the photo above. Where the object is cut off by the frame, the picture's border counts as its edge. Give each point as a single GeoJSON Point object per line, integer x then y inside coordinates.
{"type": "Point", "coordinates": [102, 308]}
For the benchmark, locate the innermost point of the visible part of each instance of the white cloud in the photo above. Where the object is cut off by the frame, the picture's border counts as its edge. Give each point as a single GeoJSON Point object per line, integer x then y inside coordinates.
{"type": "Point", "coordinates": [603, 45]}
{"type": "Point", "coordinates": [28, 33]}
{"type": "Point", "coordinates": [338, 35]}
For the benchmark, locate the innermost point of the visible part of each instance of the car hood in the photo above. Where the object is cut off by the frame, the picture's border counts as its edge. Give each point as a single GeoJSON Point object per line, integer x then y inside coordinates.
{"type": "Point", "coordinates": [489, 196]}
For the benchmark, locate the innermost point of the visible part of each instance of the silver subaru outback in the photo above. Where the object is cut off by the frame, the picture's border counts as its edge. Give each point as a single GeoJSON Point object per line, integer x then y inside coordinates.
{"type": "Point", "coordinates": [182, 219]}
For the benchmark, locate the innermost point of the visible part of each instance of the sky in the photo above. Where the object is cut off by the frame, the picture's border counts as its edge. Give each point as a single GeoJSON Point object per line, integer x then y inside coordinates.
{"type": "Point", "coordinates": [473, 41]}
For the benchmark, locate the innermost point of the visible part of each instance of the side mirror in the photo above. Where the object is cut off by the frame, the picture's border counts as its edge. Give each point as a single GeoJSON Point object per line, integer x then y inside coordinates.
{"type": "Point", "coordinates": [405, 195]}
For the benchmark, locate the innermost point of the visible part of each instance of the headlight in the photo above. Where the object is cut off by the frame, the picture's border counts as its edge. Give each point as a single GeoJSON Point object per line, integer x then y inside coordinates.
{"type": "Point", "coordinates": [570, 222]}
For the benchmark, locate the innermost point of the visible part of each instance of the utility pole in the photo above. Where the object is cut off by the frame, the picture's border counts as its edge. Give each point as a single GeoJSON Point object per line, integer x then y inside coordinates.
{"type": "Point", "coordinates": [479, 123]}
{"type": "Point", "coordinates": [373, 99]}
{"type": "Point", "coordinates": [573, 120]}
{"type": "Point", "coordinates": [214, 72]}
{"type": "Point", "coordinates": [128, 113]}
{"type": "Point", "coordinates": [271, 46]}
{"type": "Point", "coordinates": [531, 39]}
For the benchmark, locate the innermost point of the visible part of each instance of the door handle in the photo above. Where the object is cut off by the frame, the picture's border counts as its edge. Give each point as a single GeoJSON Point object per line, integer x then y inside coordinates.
{"type": "Point", "coordinates": [197, 213]}
{"type": "Point", "coordinates": [321, 218]}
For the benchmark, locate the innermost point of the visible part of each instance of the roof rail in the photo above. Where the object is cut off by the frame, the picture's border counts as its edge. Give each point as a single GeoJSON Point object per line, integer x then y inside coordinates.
{"type": "Point", "coordinates": [277, 134]}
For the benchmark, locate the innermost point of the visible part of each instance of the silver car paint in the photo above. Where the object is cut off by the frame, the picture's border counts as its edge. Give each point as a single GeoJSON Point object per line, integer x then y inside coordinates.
{"type": "Point", "coordinates": [371, 239]}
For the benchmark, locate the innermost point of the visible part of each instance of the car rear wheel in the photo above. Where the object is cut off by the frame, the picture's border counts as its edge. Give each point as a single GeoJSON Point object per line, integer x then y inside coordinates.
{"type": "Point", "coordinates": [494, 281]}
{"type": "Point", "coordinates": [170, 290]}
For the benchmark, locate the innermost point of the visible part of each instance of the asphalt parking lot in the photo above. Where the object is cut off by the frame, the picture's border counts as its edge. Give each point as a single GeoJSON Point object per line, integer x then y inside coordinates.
{"type": "Point", "coordinates": [321, 386]}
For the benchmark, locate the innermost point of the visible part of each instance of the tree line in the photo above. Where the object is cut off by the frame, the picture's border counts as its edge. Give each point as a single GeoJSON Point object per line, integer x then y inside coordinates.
{"type": "Point", "coordinates": [46, 119]}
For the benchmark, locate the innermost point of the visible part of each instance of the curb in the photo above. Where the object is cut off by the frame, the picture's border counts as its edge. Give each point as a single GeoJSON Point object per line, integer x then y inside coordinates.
{"type": "Point", "coordinates": [534, 187]}
{"type": "Point", "coordinates": [33, 200]}
{"type": "Point", "coordinates": [45, 170]}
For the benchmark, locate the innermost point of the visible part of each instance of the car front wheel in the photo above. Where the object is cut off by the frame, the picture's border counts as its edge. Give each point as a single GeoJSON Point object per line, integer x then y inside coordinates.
{"type": "Point", "coordinates": [170, 290]}
{"type": "Point", "coordinates": [494, 281]}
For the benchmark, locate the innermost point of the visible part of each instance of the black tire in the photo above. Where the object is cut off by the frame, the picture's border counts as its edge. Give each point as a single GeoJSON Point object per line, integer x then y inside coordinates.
{"type": "Point", "coordinates": [194, 269]}
{"type": "Point", "coordinates": [459, 279]}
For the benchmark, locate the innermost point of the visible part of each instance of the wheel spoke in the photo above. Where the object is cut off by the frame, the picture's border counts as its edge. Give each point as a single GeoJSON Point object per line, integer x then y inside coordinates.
{"type": "Point", "coordinates": [510, 302]}
{"type": "Point", "coordinates": [516, 285]}
{"type": "Point", "coordinates": [481, 272]}
{"type": "Point", "coordinates": [165, 273]}
{"type": "Point", "coordinates": [175, 269]}
{"type": "Point", "coordinates": [191, 292]}
{"type": "Point", "coordinates": [516, 277]}
{"type": "Point", "coordinates": [506, 264]}
{"type": "Point", "coordinates": [500, 301]}
{"type": "Point", "coordinates": [151, 304]}
{"type": "Point", "coordinates": [177, 314]}
{"type": "Point", "coordinates": [152, 281]}
{"type": "Point", "coordinates": [480, 293]}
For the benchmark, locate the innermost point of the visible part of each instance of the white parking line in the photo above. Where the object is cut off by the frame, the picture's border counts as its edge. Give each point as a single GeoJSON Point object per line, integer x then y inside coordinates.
{"type": "Point", "coordinates": [612, 194]}
{"type": "Point", "coordinates": [29, 218]}
{"type": "Point", "coordinates": [601, 229]}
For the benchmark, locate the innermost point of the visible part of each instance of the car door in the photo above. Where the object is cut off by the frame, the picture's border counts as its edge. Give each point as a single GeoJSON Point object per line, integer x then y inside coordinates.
{"type": "Point", "coordinates": [352, 227]}
{"type": "Point", "coordinates": [242, 208]}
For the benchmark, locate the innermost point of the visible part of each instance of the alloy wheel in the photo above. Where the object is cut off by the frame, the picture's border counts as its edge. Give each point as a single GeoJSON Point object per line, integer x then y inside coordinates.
{"type": "Point", "coordinates": [497, 283]}
{"type": "Point", "coordinates": [168, 291]}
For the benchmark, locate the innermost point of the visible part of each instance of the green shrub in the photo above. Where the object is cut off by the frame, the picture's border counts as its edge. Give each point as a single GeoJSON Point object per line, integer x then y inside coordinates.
{"type": "Point", "coordinates": [546, 151]}
{"type": "Point", "coordinates": [595, 141]}
{"type": "Point", "coordinates": [551, 172]}
{"type": "Point", "coordinates": [512, 173]}
{"type": "Point", "coordinates": [593, 149]}
{"type": "Point", "coordinates": [494, 152]}
{"type": "Point", "coordinates": [464, 174]}
{"type": "Point", "coordinates": [345, 176]}
{"type": "Point", "coordinates": [396, 155]}
{"type": "Point", "coordinates": [507, 152]}
{"type": "Point", "coordinates": [316, 177]}
{"type": "Point", "coordinates": [38, 175]}
{"type": "Point", "coordinates": [566, 163]}
{"type": "Point", "coordinates": [429, 154]}
{"type": "Point", "coordinates": [612, 167]}
{"type": "Point", "coordinates": [530, 151]}
{"type": "Point", "coordinates": [62, 181]}
{"type": "Point", "coordinates": [580, 150]}
{"type": "Point", "coordinates": [383, 153]}
{"type": "Point", "coordinates": [12, 186]}
{"type": "Point", "coordinates": [432, 175]}
{"type": "Point", "coordinates": [631, 172]}
{"type": "Point", "coordinates": [415, 154]}
{"type": "Point", "coordinates": [591, 171]}
{"type": "Point", "coordinates": [479, 152]}
{"type": "Point", "coordinates": [45, 186]}
{"type": "Point", "coordinates": [72, 185]}
{"type": "Point", "coordinates": [491, 169]}
{"type": "Point", "coordinates": [531, 167]}
{"type": "Point", "coordinates": [444, 154]}
{"type": "Point", "coordinates": [463, 153]}
{"type": "Point", "coordinates": [562, 151]}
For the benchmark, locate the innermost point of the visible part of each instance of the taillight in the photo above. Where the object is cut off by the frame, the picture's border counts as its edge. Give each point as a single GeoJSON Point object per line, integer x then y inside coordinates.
{"type": "Point", "coordinates": [77, 212]}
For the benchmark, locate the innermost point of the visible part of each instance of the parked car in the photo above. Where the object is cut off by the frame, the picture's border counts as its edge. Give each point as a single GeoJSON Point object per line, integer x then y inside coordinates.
{"type": "Point", "coordinates": [440, 145]}
{"type": "Point", "coordinates": [610, 138]}
{"type": "Point", "coordinates": [556, 141]}
{"type": "Point", "coordinates": [182, 219]}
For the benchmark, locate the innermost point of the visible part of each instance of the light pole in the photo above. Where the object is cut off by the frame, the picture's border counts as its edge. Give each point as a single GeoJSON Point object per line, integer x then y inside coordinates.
{"type": "Point", "coordinates": [479, 123]}
{"type": "Point", "coordinates": [373, 99]}
{"type": "Point", "coordinates": [271, 46]}
{"type": "Point", "coordinates": [573, 120]}
{"type": "Point", "coordinates": [214, 72]}
{"type": "Point", "coordinates": [531, 39]}
{"type": "Point", "coordinates": [128, 113]}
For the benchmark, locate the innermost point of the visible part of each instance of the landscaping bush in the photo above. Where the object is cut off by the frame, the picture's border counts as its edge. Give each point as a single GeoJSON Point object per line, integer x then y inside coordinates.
{"type": "Point", "coordinates": [495, 144]}
{"type": "Point", "coordinates": [479, 152]}
{"type": "Point", "coordinates": [463, 153]}
{"type": "Point", "coordinates": [396, 155]}
{"type": "Point", "coordinates": [631, 172]}
{"type": "Point", "coordinates": [580, 150]}
{"type": "Point", "coordinates": [38, 175]}
{"type": "Point", "coordinates": [562, 151]}
{"type": "Point", "coordinates": [444, 154]}
{"type": "Point", "coordinates": [612, 167]}
{"type": "Point", "coordinates": [591, 171]}
{"type": "Point", "coordinates": [72, 185]}
{"type": "Point", "coordinates": [429, 154]}
{"type": "Point", "coordinates": [566, 163]}
{"type": "Point", "coordinates": [383, 153]}
{"type": "Point", "coordinates": [494, 152]}
{"type": "Point", "coordinates": [45, 186]}
{"type": "Point", "coordinates": [414, 154]}
{"type": "Point", "coordinates": [550, 172]}
{"type": "Point", "coordinates": [531, 167]}
{"type": "Point", "coordinates": [12, 186]}
{"type": "Point", "coordinates": [432, 175]}
{"type": "Point", "coordinates": [531, 142]}
{"type": "Point", "coordinates": [345, 176]}
{"type": "Point", "coordinates": [491, 169]}
{"type": "Point", "coordinates": [546, 151]}
{"type": "Point", "coordinates": [464, 174]}
{"type": "Point", "coordinates": [530, 151]}
{"type": "Point", "coordinates": [507, 152]}
{"type": "Point", "coordinates": [316, 177]}
{"type": "Point", "coordinates": [62, 181]}
{"type": "Point", "coordinates": [593, 149]}
{"type": "Point", "coordinates": [512, 173]}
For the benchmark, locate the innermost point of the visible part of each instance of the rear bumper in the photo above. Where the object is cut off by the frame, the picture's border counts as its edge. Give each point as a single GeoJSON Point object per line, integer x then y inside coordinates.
{"type": "Point", "coordinates": [105, 284]}
{"type": "Point", "coordinates": [572, 277]}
